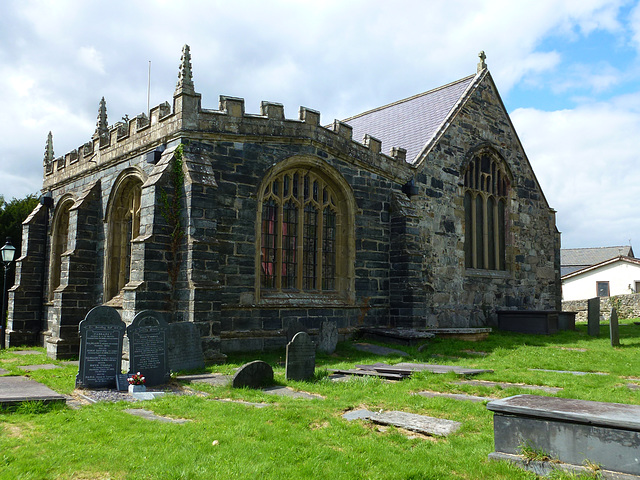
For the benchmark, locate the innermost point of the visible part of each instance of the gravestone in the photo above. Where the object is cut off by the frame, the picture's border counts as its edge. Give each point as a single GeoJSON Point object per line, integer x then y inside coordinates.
{"type": "Point", "coordinates": [593, 316]}
{"type": "Point", "coordinates": [184, 347]}
{"type": "Point", "coordinates": [101, 337]}
{"type": "Point", "coordinates": [613, 328]}
{"type": "Point", "coordinates": [328, 337]}
{"type": "Point", "coordinates": [148, 347]}
{"type": "Point", "coordinates": [254, 374]}
{"type": "Point", "coordinates": [301, 358]}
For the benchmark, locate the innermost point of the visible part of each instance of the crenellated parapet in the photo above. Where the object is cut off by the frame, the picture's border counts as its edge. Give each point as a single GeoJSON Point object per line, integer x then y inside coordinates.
{"type": "Point", "coordinates": [132, 137]}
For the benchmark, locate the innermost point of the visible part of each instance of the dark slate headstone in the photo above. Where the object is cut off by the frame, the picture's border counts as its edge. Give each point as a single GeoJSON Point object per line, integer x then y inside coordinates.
{"type": "Point", "coordinates": [328, 337]}
{"type": "Point", "coordinates": [101, 337]}
{"type": "Point", "coordinates": [593, 316]}
{"type": "Point", "coordinates": [613, 328]}
{"type": "Point", "coordinates": [184, 347]}
{"type": "Point", "coordinates": [301, 358]}
{"type": "Point", "coordinates": [122, 382]}
{"type": "Point", "coordinates": [148, 347]}
{"type": "Point", "coordinates": [254, 374]}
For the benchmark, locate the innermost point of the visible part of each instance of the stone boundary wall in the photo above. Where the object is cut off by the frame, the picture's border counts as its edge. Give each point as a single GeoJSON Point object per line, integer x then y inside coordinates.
{"type": "Point", "coordinates": [628, 307]}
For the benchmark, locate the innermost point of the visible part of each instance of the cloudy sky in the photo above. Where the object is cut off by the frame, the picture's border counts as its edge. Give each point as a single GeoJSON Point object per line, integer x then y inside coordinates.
{"type": "Point", "coordinates": [568, 72]}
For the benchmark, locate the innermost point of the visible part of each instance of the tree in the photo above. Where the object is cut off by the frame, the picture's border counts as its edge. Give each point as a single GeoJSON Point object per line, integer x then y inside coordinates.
{"type": "Point", "coordinates": [12, 214]}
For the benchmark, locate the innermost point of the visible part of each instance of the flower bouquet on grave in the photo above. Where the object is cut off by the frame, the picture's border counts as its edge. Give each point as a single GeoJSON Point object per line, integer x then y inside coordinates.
{"type": "Point", "coordinates": [136, 383]}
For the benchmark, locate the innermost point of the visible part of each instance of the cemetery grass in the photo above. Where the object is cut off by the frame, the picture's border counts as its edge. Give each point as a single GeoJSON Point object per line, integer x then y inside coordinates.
{"type": "Point", "coordinates": [297, 438]}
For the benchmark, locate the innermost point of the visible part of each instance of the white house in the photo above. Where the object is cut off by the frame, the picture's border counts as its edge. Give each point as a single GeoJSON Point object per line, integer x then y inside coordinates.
{"type": "Point", "coordinates": [616, 276]}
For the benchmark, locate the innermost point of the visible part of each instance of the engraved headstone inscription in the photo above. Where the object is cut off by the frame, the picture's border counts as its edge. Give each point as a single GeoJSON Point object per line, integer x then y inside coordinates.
{"type": "Point", "coordinates": [148, 347]}
{"type": "Point", "coordinates": [301, 357]}
{"type": "Point", "coordinates": [101, 337]}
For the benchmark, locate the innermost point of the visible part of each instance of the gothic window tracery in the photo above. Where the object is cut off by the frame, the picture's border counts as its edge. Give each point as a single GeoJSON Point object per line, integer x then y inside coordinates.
{"type": "Point", "coordinates": [486, 190]}
{"type": "Point", "coordinates": [59, 244]}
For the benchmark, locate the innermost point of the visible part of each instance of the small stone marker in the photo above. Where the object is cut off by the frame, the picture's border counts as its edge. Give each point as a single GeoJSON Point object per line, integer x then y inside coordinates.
{"type": "Point", "coordinates": [148, 347]}
{"type": "Point", "coordinates": [254, 374]}
{"type": "Point", "coordinates": [613, 328]}
{"type": "Point", "coordinates": [328, 337]}
{"type": "Point", "coordinates": [101, 337]}
{"type": "Point", "coordinates": [593, 316]}
{"type": "Point", "coordinates": [301, 357]}
{"type": "Point", "coordinates": [184, 347]}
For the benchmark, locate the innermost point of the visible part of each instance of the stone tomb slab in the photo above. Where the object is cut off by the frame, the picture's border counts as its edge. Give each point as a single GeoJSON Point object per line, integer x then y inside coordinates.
{"type": "Point", "coordinates": [378, 350]}
{"type": "Point", "coordinates": [215, 379]}
{"type": "Point", "coordinates": [101, 337]}
{"type": "Point", "coordinates": [572, 372]}
{"type": "Point", "coordinates": [148, 347]}
{"type": "Point", "coordinates": [26, 352]}
{"type": "Point", "coordinates": [16, 390]}
{"type": "Point", "coordinates": [4, 372]}
{"type": "Point", "coordinates": [301, 357]}
{"type": "Point", "coordinates": [254, 374]}
{"type": "Point", "coordinates": [423, 424]}
{"type": "Point", "coordinates": [291, 393]}
{"type": "Point", "coordinates": [184, 347]}
{"type": "Point", "coordinates": [149, 415]}
{"type": "Point", "coordinates": [456, 396]}
{"type": "Point", "coordinates": [420, 367]}
{"type": "Point", "coordinates": [485, 383]}
{"type": "Point", "coordinates": [573, 431]}
{"type": "Point", "coordinates": [46, 366]}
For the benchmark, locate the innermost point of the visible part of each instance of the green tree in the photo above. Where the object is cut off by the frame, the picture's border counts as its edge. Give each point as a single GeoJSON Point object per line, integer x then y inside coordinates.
{"type": "Point", "coordinates": [12, 214]}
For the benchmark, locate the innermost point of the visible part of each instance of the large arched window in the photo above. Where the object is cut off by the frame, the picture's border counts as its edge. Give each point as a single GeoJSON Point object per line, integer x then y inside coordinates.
{"type": "Point", "coordinates": [486, 189]}
{"type": "Point", "coordinates": [305, 217]}
{"type": "Point", "coordinates": [123, 226]}
{"type": "Point", "coordinates": [59, 242]}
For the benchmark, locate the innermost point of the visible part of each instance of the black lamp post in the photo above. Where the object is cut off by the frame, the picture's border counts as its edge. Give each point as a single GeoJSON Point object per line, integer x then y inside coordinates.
{"type": "Point", "coordinates": [8, 253]}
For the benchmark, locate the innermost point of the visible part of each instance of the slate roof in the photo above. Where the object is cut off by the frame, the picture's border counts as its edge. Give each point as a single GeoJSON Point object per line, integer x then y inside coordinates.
{"type": "Point", "coordinates": [410, 123]}
{"type": "Point", "coordinates": [590, 268]}
{"type": "Point", "coordinates": [574, 259]}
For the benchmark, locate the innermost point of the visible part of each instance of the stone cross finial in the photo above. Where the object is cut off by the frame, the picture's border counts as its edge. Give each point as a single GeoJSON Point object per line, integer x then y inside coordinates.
{"type": "Point", "coordinates": [481, 64]}
{"type": "Point", "coordinates": [102, 126]}
{"type": "Point", "coordinates": [185, 77]}
{"type": "Point", "coordinates": [48, 151]}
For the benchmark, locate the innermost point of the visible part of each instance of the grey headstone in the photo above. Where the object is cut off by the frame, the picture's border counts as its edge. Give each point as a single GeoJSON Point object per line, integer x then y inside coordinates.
{"type": "Point", "coordinates": [184, 347]}
{"type": "Point", "coordinates": [254, 374]}
{"type": "Point", "coordinates": [328, 337]}
{"type": "Point", "coordinates": [301, 358]}
{"type": "Point", "coordinates": [101, 337]}
{"type": "Point", "coordinates": [593, 316]}
{"type": "Point", "coordinates": [148, 347]}
{"type": "Point", "coordinates": [613, 328]}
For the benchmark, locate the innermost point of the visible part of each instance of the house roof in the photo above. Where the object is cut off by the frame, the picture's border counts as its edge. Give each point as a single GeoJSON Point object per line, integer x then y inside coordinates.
{"type": "Point", "coordinates": [590, 268]}
{"type": "Point", "coordinates": [413, 122]}
{"type": "Point", "coordinates": [574, 259]}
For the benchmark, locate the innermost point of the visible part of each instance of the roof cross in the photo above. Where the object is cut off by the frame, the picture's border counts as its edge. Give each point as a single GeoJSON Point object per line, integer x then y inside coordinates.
{"type": "Point", "coordinates": [481, 64]}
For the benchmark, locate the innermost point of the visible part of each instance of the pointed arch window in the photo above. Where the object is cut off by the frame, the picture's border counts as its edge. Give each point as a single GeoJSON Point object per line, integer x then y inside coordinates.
{"type": "Point", "coordinates": [123, 227]}
{"type": "Point", "coordinates": [303, 231]}
{"type": "Point", "coordinates": [59, 244]}
{"type": "Point", "coordinates": [486, 190]}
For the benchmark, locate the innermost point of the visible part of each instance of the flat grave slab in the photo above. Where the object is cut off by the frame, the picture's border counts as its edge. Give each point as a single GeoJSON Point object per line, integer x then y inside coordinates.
{"type": "Point", "coordinates": [399, 336]}
{"type": "Point", "coordinates": [147, 395]}
{"type": "Point", "coordinates": [242, 402]}
{"type": "Point", "coordinates": [149, 415]}
{"type": "Point", "coordinates": [71, 362]}
{"type": "Point", "coordinates": [432, 426]}
{"type": "Point", "coordinates": [291, 393]}
{"type": "Point", "coordinates": [467, 334]}
{"type": "Point", "coordinates": [15, 390]}
{"type": "Point", "coordinates": [485, 383]}
{"type": "Point", "coordinates": [4, 372]}
{"type": "Point", "coordinates": [26, 352]}
{"type": "Point", "coordinates": [456, 396]}
{"type": "Point", "coordinates": [572, 372]}
{"type": "Point", "coordinates": [419, 367]}
{"type": "Point", "coordinates": [474, 353]}
{"type": "Point", "coordinates": [29, 368]}
{"type": "Point", "coordinates": [379, 350]}
{"type": "Point", "coordinates": [633, 386]}
{"type": "Point", "coordinates": [573, 431]}
{"type": "Point", "coordinates": [367, 373]}
{"type": "Point", "coordinates": [215, 379]}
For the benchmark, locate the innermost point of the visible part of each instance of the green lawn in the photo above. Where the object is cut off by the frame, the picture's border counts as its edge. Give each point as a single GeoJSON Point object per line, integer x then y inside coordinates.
{"type": "Point", "coordinates": [303, 439]}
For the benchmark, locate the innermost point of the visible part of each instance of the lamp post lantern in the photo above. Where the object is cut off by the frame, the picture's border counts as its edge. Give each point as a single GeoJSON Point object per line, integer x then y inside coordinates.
{"type": "Point", "coordinates": [8, 253]}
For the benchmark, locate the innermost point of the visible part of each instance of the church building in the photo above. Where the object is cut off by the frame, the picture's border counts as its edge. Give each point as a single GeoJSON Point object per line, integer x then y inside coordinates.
{"type": "Point", "coordinates": [424, 213]}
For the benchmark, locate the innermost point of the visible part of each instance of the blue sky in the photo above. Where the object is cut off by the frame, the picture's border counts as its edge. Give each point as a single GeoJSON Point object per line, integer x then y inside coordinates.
{"type": "Point", "coordinates": [568, 72]}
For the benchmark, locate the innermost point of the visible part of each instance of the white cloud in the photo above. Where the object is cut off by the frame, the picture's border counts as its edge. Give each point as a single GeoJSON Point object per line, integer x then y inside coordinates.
{"type": "Point", "coordinates": [92, 59]}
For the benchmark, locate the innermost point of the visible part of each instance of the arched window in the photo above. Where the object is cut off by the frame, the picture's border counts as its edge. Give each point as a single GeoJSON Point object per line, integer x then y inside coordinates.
{"type": "Point", "coordinates": [305, 217]}
{"type": "Point", "coordinates": [486, 189]}
{"type": "Point", "coordinates": [59, 241]}
{"type": "Point", "coordinates": [123, 226]}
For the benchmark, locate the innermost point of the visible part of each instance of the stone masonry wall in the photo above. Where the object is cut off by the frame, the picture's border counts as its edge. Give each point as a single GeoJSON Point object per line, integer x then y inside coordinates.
{"type": "Point", "coordinates": [628, 307]}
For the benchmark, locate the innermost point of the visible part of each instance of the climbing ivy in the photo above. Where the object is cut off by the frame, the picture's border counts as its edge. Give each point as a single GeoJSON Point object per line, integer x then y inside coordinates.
{"type": "Point", "coordinates": [170, 208]}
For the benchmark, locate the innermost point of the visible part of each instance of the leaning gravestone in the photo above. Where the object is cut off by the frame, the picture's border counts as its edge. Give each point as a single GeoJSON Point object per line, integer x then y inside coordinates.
{"type": "Point", "coordinates": [613, 328]}
{"type": "Point", "coordinates": [254, 374]}
{"type": "Point", "coordinates": [101, 336]}
{"type": "Point", "coordinates": [184, 347]}
{"type": "Point", "coordinates": [593, 316]}
{"type": "Point", "coordinates": [328, 337]}
{"type": "Point", "coordinates": [148, 347]}
{"type": "Point", "coordinates": [301, 358]}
